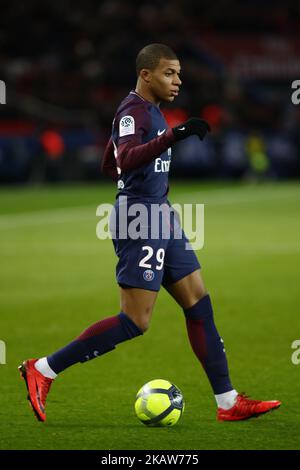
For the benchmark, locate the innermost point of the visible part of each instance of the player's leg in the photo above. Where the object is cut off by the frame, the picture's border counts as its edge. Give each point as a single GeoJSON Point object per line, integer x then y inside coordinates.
{"type": "Point", "coordinates": [188, 290]}
{"type": "Point", "coordinates": [104, 335]}
{"type": "Point", "coordinates": [190, 293]}
{"type": "Point", "coordinates": [137, 301]}
{"type": "Point", "coordinates": [183, 280]}
{"type": "Point", "coordinates": [138, 305]}
{"type": "Point", "coordinates": [98, 339]}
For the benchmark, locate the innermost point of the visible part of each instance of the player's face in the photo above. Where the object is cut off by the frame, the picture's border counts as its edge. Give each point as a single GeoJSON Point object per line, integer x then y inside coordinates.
{"type": "Point", "coordinates": [164, 81]}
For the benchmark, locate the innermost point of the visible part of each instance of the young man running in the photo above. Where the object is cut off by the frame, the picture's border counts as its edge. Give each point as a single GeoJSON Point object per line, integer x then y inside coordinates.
{"type": "Point", "coordinates": [138, 157]}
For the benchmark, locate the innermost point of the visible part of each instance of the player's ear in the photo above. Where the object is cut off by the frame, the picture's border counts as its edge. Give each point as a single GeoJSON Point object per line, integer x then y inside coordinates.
{"type": "Point", "coordinates": [145, 75]}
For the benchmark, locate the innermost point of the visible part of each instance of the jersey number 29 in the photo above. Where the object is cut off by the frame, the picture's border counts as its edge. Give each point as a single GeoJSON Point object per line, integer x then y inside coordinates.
{"type": "Point", "coordinates": [160, 254]}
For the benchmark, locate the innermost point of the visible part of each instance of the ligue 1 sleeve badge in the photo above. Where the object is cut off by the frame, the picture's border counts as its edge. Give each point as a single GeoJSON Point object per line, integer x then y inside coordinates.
{"type": "Point", "coordinates": [148, 275]}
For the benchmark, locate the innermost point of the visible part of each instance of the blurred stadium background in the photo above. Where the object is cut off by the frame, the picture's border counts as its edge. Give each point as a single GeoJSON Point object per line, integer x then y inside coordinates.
{"type": "Point", "coordinates": [67, 65]}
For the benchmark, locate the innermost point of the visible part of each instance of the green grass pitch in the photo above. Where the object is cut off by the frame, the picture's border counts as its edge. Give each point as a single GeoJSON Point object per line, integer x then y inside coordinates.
{"type": "Point", "coordinates": [57, 278]}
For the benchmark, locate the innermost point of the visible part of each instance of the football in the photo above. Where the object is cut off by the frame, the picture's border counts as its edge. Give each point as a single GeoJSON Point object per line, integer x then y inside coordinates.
{"type": "Point", "coordinates": [159, 403]}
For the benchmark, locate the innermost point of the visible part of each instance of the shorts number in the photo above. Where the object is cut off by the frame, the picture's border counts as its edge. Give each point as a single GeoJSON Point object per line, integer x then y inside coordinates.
{"type": "Point", "coordinates": [143, 263]}
{"type": "Point", "coordinates": [160, 255]}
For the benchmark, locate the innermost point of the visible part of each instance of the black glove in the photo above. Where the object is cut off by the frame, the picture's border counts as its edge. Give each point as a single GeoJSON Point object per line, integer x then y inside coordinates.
{"type": "Point", "coordinates": [193, 126]}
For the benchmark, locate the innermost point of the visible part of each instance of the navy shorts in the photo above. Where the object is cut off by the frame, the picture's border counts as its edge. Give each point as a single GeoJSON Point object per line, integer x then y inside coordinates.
{"type": "Point", "coordinates": [149, 262]}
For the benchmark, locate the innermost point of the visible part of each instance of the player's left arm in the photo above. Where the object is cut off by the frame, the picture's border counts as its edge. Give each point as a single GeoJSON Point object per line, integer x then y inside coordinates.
{"type": "Point", "coordinates": [132, 153]}
{"type": "Point", "coordinates": [131, 128]}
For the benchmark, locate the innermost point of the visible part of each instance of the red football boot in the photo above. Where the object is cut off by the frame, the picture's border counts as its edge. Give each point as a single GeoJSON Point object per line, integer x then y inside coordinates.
{"type": "Point", "coordinates": [245, 408]}
{"type": "Point", "coordinates": [38, 387]}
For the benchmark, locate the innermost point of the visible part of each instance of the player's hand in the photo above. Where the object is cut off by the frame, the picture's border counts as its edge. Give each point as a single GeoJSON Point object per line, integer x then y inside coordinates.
{"type": "Point", "coordinates": [193, 126]}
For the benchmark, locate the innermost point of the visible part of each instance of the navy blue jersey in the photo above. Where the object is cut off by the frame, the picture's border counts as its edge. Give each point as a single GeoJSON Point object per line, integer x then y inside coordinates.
{"type": "Point", "coordinates": [137, 122]}
{"type": "Point", "coordinates": [138, 156]}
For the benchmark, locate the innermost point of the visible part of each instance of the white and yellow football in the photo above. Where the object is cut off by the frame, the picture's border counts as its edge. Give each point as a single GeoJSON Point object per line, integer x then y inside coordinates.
{"type": "Point", "coordinates": [159, 403]}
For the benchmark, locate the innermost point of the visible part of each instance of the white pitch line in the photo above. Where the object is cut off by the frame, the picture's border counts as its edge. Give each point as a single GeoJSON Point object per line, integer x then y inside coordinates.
{"type": "Point", "coordinates": [223, 197]}
{"type": "Point", "coordinates": [47, 216]}
{"type": "Point", "coordinates": [81, 213]}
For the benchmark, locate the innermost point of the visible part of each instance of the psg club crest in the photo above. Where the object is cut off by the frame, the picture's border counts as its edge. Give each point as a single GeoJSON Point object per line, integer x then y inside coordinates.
{"type": "Point", "coordinates": [148, 275]}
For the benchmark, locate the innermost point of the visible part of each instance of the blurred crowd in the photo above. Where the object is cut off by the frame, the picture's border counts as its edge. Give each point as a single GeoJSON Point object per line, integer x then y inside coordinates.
{"type": "Point", "coordinates": [68, 64]}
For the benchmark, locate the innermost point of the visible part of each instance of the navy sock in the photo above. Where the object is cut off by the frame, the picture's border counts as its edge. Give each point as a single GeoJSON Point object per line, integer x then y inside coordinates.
{"type": "Point", "coordinates": [96, 340]}
{"type": "Point", "coordinates": [207, 344]}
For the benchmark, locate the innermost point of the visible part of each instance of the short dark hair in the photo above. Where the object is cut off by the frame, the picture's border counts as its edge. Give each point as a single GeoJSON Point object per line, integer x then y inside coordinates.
{"type": "Point", "coordinates": [149, 56]}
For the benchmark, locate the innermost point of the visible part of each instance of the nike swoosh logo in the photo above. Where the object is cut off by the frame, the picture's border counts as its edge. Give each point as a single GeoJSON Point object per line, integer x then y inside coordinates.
{"type": "Point", "coordinates": [181, 128]}
{"type": "Point", "coordinates": [39, 399]}
{"type": "Point", "coordinates": [161, 132]}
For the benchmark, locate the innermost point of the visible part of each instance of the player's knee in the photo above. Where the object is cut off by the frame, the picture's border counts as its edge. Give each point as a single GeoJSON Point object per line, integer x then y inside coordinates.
{"type": "Point", "coordinates": [196, 290]}
{"type": "Point", "coordinates": [202, 292]}
{"type": "Point", "coordinates": [199, 289]}
{"type": "Point", "coordinates": [143, 324]}
{"type": "Point", "coordinates": [144, 327]}
{"type": "Point", "coordinates": [195, 297]}
{"type": "Point", "coordinates": [141, 321]}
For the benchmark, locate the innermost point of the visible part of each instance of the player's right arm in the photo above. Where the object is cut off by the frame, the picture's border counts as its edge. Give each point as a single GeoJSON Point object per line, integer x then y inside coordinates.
{"type": "Point", "coordinates": [108, 163]}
